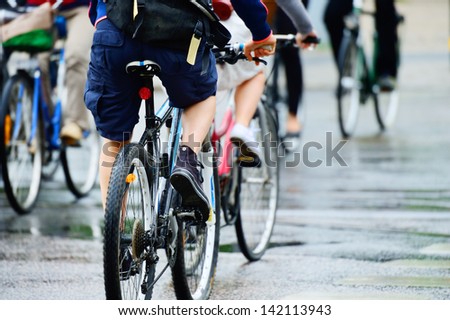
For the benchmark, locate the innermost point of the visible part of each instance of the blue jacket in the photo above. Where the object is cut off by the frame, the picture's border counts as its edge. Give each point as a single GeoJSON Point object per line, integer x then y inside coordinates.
{"type": "Point", "coordinates": [253, 12]}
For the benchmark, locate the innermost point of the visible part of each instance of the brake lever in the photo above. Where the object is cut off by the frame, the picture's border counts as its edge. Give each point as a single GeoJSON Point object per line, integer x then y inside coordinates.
{"type": "Point", "coordinates": [264, 62]}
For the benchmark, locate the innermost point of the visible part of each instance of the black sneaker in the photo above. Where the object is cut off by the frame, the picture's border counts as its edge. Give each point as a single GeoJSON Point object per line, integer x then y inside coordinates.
{"type": "Point", "coordinates": [187, 180]}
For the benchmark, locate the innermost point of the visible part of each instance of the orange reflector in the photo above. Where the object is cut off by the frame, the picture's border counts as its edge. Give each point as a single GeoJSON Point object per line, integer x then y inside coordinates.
{"type": "Point", "coordinates": [130, 178]}
{"type": "Point", "coordinates": [8, 125]}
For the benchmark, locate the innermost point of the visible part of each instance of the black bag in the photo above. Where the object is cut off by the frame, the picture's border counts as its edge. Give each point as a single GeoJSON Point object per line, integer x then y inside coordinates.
{"type": "Point", "coordinates": [168, 23]}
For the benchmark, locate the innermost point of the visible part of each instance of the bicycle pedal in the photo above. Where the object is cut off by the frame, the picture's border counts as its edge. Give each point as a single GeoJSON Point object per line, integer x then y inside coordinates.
{"type": "Point", "coordinates": [249, 162]}
{"type": "Point", "coordinates": [190, 214]}
{"type": "Point", "coordinates": [73, 143]}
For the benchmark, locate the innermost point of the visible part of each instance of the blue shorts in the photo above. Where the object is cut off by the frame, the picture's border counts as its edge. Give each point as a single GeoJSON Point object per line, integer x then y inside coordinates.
{"type": "Point", "coordinates": [112, 95]}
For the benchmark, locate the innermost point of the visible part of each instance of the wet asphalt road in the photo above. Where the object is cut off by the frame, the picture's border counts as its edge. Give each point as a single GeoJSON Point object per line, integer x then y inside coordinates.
{"type": "Point", "coordinates": [377, 228]}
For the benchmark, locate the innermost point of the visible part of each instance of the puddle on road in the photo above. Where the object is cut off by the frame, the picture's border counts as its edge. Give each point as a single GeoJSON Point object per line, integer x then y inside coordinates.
{"type": "Point", "coordinates": [72, 222]}
{"type": "Point", "coordinates": [437, 248]}
{"type": "Point", "coordinates": [414, 263]}
{"type": "Point", "coordinates": [429, 282]}
{"type": "Point", "coordinates": [234, 247]}
{"type": "Point", "coordinates": [76, 231]}
{"type": "Point", "coordinates": [352, 296]}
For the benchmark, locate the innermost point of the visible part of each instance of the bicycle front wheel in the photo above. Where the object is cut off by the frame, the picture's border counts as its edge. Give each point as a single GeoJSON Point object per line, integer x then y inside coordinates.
{"type": "Point", "coordinates": [198, 243]}
{"type": "Point", "coordinates": [257, 195]}
{"type": "Point", "coordinates": [350, 85]}
{"type": "Point", "coordinates": [130, 227]}
{"type": "Point", "coordinates": [21, 137]}
{"type": "Point", "coordinates": [80, 162]}
{"type": "Point", "coordinates": [386, 107]}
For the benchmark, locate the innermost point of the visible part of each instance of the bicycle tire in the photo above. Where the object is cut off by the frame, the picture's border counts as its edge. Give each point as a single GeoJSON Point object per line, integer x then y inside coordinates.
{"type": "Point", "coordinates": [387, 104]}
{"type": "Point", "coordinates": [51, 163]}
{"type": "Point", "coordinates": [386, 107]}
{"type": "Point", "coordinates": [257, 194]}
{"type": "Point", "coordinates": [130, 226]}
{"type": "Point", "coordinates": [197, 253]}
{"type": "Point", "coordinates": [20, 157]}
{"type": "Point", "coordinates": [349, 85]}
{"type": "Point", "coordinates": [80, 162]}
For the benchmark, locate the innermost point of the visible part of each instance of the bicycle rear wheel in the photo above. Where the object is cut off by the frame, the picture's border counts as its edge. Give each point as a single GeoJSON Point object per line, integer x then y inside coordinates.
{"type": "Point", "coordinates": [198, 243]}
{"type": "Point", "coordinates": [20, 143]}
{"type": "Point", "coordinates": [130, 226]}
{"type": "Point", "coordinates": [257, 195]}
{"type": "Point", "coordinates": [350, 85]}
{"type": "Point", "coordinates": [80, 162]}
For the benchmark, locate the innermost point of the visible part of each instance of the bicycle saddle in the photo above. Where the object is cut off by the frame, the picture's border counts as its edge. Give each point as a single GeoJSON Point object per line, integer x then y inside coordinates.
{"type": "Point", "coordinates": [146, 68]}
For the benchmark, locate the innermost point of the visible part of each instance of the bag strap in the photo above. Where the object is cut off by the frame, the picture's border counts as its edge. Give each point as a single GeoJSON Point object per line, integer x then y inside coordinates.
{"type": "Point", "coordinates": [138, 16]}
{"type": "Point", "coordinates": [206, 9]}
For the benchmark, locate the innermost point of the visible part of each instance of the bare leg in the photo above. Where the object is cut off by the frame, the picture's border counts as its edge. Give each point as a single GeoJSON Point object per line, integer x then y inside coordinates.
{"type": "Point", "coordinates": [196, 121]}
{"type": "Point", "coordinates": [247, 97]}
{"type": "Point", "coordinates": [293, 124]}
{"type": "Point", "coordinates": [110, 149]}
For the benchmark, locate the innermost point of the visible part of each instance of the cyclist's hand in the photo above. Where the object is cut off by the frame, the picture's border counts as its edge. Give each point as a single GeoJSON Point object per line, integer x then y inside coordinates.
{"type": "Point", "coordinates": [305, 45]}
{"type": "Point", "coordinates": [260, 49]}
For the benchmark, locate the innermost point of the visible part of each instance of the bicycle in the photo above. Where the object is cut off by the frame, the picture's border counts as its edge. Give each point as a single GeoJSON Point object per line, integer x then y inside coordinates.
{"type": "Point", "coordinates": [249, 188]}
{"type": "Point", "coordinates": [30, 147]}
{"type": "Point", "coordinates": [358, 79]}
{"type": "Point", "coordinates": [143, 213]}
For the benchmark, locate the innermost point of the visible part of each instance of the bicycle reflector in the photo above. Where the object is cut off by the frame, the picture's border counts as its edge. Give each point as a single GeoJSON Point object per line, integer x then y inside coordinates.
{"type": "Point", "coordinates": [130, 178]}
{"type": "Point", "coordinates": [145, 93]}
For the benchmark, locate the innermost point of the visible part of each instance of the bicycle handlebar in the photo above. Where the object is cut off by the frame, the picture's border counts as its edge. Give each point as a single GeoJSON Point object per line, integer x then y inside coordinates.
{"type": "Point", "coordinates": [287, 40]}
{"type": "Point", "coordinates": [231, 53]}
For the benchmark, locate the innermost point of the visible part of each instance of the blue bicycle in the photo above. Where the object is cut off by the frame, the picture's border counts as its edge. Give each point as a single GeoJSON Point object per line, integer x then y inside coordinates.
{"type": "Point", "coordinates": [30, 117]}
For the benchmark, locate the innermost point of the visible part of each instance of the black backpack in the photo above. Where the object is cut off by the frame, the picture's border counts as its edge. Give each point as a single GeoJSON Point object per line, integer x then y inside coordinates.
{"type": "Point", "coordinates": [168, 23]}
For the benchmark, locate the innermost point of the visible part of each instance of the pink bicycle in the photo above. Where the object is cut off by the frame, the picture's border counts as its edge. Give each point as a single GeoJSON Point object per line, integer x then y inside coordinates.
{"type": "Point", "coordinates": [249, 190]}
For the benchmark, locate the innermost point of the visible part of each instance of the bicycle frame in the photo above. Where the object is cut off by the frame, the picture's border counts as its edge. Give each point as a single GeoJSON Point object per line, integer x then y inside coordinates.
{"type": "Point", "coordinates": [352, 30]}
{"type": "Point", "coordinates": [52, 122]}
{"type": "Point", "coordinates": [224, 130]}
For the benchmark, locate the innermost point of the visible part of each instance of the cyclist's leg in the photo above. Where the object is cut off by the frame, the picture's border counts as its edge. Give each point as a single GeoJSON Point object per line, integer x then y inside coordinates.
{"type": "Point", "coordinates": [333, 17]}
{"type": "Point", "coordinates": [111, 94]}
{"type": "Point", "coordinates": [192, 88]}
{"type": "Point", "coordinates": [386, 24]}
{"type": "Point", "coordinates": [196, 122]}
{"type": "Point", "coordinates": [290, 57]}
{"type": "Point", "coordinates": [248, 79]}
{"type": "Point", "coordinates": [78, 42]}
{"type": "Point", "coordinates": [110, 149]}
{"type": "Point", "coordinates": [187, 175]}
{"type": "Point", "coordinates": [247, 97]}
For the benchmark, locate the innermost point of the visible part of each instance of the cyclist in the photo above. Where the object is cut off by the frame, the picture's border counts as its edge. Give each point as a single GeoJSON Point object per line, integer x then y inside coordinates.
{"type": "Point", "coordinates": [77, 46]}
{"type": "Point", "coordinates": [290, 57]}
{"type": "Point", "coordinates": [111, 94]}
{"type": "Point", "coordinates": [386, 20]}
{"type": "Point", "coordinates": [249, 80]}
